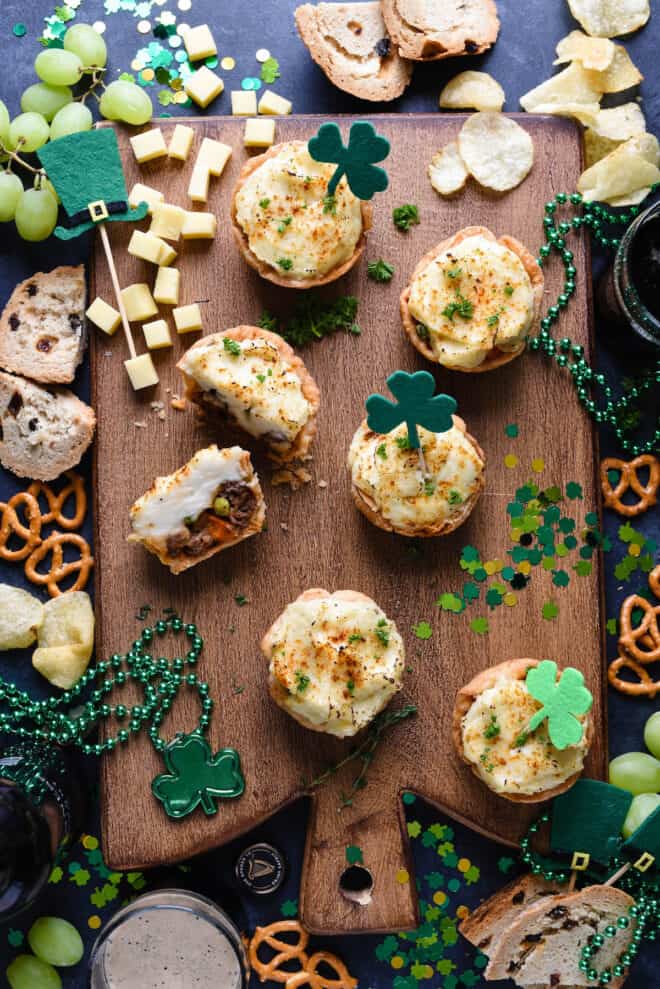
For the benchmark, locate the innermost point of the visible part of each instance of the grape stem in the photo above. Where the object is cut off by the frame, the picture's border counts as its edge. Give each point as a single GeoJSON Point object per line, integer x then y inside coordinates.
{"type": "Point", "coordinates": [97, 80]}
{"type": "Point", "coordinates": [15, 157]}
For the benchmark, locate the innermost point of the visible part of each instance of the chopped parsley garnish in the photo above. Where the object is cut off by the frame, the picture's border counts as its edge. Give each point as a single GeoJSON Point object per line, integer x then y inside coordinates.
{"type": "Point", "coordinates": [313, 318]}
{"type": "Point", "coordinates": [355, 637]}
{"type": "Point", "coordinates": [261, 378]}
{"type": "Point", "coordinates": [461, 307]}
{"type": "Point", "coordinates": [302, 681]}
{"type": "Point", "coordinates": [231, 346]}
{"type": "Point", "coordinates": [508, 289]}
{"type": "Point", "coordinates": [264, 203]}
{"type": "Point", "coordinates": [382, 632]}
{"type": "Point", "coordinates": [454, 273]}
{"type": "Point", "coordinates": [405, 216]}
{"type": "Point", "coordinates": [403, 442]}
{"type": "Point", "coordinates": [485, 761]}
{"type": "Point", "coordinates": [350, 687]}
{"type": "Point", "coordinates": [429, 487]}
{"type": "Point", "coordinates": [285, 263]}
{"type": "Point", "coordinates": [455, 497]}
{"type": "Point", "coordinates": [380, 271]}
{"type": "Point", "coordinates": [236, 688]}
{"type": "Point", "coordinates": [423, 332]}
{"type": "Point", "coordinates": [382, 451]}
{"type": "Point", "coordinates": [521, 739]}
{"type": "Point", "coordinates": [492, 730]}
{"type": "Point", "coordinates": [267, 322]}
{"type": "Point", "coordinates": [494, 320]}
{"type": "Point", "coordinates": [240, 600]}
{"type": "Point", "coordinates": [330, 205]}
{"type": "Point", "coordinates": [281, 228]}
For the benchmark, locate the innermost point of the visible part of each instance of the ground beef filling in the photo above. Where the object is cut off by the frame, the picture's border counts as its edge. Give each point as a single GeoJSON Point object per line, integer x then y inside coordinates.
{"type": "Point", "coordinates": [208, 529]}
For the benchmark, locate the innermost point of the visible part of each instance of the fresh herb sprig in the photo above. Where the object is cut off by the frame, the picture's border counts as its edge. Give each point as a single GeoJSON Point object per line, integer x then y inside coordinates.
{"type": "Point", "coordinates": [313, 318]}
{"type": "Point", "coordinates": [405, 216]}
{"type": "Point", "coordinates": [380, 271]}
{"type": "Point", "coordinates": [459, 307]}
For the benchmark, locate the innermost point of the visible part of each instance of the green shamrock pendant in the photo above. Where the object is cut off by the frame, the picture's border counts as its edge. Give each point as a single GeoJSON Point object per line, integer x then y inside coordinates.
{"type": "Point", "coordinates": [562, 701]}
{"type": "Point", "coordinates": [416, 405]}
{"type": "Point", "coordinates": [195, 776]}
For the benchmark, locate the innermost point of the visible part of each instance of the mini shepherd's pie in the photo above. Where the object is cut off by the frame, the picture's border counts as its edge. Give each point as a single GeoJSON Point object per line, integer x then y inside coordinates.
{"type": "Point", "coordinates": [287, 227]}
{"type": "Point", "coordinates": [209, 504]}
{"type": "Point", "coordinates": [473, 300]}
{"type": "Point", "coordinates": [253, 377]}
{"type": "Point", "coordinates": [491, 715]}
{"type": "Point", "coordinates": [335, 660]}
{"type": "Point", "coordinates": [392, 490]}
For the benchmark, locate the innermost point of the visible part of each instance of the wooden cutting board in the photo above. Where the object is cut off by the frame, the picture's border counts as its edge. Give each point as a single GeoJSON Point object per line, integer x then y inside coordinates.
{"type": "Point", "coordinates": [316, 538]}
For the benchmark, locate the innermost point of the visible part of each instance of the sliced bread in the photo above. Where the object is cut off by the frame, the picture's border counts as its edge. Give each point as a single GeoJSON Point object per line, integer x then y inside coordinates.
{"type": "Point", "coordinates": [42, 328]}
{"type": "Point", "coordinates": [349, 41]}
{"type": "Point", "coordinates": [43, 431]}
{"type": "Point", "coordinates": [426, 30]}
{"type": "Point", "coordinates": [544, 943]}
{"type": "Point", "coordinates": [484, 926]}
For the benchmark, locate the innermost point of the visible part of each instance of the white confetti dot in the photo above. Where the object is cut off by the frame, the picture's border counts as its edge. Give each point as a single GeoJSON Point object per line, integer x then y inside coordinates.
{"type": "Point", "coordinates": [99, 26]}
{"type": "Point", "coordinates": [228, 63]}
{"type": "Point", "coordinates": [174, 41]}
{"type": "Point", "coordinates": [262, 55]}
{"type": "Point", "coordinates": [144, 27]}
{"type": "Point", "coordinates": [182, 29]}
{"type": "Point", "coordinates": [184, 4]}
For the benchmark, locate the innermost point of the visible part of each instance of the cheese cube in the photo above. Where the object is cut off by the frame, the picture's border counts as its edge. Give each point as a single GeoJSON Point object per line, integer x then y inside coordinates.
{"type": "Point", "coordinates": [167, 221]}
{"type": "Point", "coordinates": [141, 371]}
{"type": "Point", "coordinates": [146, 246]}
{"type": "Point", "coordinates": [259, 133]}
{"type": "Point", "coordinates": [199, 225]}
{"type": "Point", "coordinates": [149, 145]}
{"type": "Point", "coordinates": [273, 104]}
{"type": "Point", "coordinates": [187, 319]}
{"type": "Point", "coordinates": [198, 188]}
{"type": "Point", "coordinates": [104, 316]}
{"type": "Point", "coordinates": [157, 334]}
{"type": "Point", "coordinates": [213, 155]}
{"type": "Point", "coordinates": [166, 289]}
{"type": "Point", "coordinates": [243, 102]}
{"type": "Point", "coordinates": [203, 86]}
{"type": "Point", "coordinates": [167, 255]}
{"type": "Point", "coordinates": [138, 302]}
{"type": "Point", "coordinates": [144, 194]}
{"type": "Point", "coordinates": [199, 43]}
{"type": "Point", "coordinates": [181, 142]}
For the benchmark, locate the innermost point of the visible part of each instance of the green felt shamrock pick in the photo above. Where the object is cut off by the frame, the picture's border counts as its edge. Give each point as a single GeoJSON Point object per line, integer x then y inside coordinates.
{"type": "Point", "coordinates": [195, 776]}
{"type": "Point", "coordinates": [562, 700]}
{"type": "Point", "coordinates": [416, 405]}
{"type": "Point", "coordinates": [356, 161]}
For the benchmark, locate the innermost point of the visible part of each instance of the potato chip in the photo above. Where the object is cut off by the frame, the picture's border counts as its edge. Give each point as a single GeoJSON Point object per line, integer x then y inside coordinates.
{"type": "Point", "coordinates": [634, 199]}
{"type": "Point", "coordinates": [626, 170]}
{"type": "Point", "coordinates": [472, 90]}
{"type": "Point", "coordinates": [610, 129]}
{"type": "Point", "coordinates": [496, 150]}
{"type": "Point", "coordinates": [21, 615]}
{"type": "Point", "coordinates": [586, 113]}
{"type": "Point", "coordinates": [573, 85]}
{"type": "Point", "coordinates": [609, 18]}
{"type": "Point", "coordinates": [447, 170]}
{"type": "Point", "coordinates": [593, 53]}
{"type": "Point", "coordinates": [66, 639]}
{"type": "Point", "coordinates": [621, 74]}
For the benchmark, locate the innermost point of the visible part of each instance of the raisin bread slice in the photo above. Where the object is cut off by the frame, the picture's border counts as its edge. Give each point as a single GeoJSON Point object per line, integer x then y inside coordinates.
{"type": "Point", "coordinates": [426, 30]}
{"type": "Point", "coordinates": [42, 329]}
{"type": "Point", "coordinates": [43, 431]}
{"type": "Point", "coordinates": [349, 41]}
{"type": "Point", "coordinates": [484, 926]}
{"type": "Point", "coordinates": [544, 944]}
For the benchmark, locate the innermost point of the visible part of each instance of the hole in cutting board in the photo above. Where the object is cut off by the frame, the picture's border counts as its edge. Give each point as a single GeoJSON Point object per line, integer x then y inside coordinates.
{"type": "Point", "coordinates": [357, 885]}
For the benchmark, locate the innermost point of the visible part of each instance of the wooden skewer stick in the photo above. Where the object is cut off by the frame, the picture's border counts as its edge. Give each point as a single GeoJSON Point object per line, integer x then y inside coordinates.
{"type": "Point", "coordinates": [115, 284]}
{"type": "Point", "coordinates": [617, 875]}
{"type": "Point", "coordinates": [422, 462]}
{"type": "Point", "coordinates": [572, 880]}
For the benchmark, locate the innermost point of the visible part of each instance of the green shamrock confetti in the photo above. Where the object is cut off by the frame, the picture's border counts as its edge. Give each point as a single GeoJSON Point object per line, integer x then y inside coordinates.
{"type": "Point", "coordinates": [511, 431]}
{"type": "Point", "coordinates": [354, 855]}
{"type": "Point", "coordinates": [550, 610]}
{"type": "Point", "coordinates": [15, 938]}
{"type": "Point", "coordinates": [561, 701]}
{"type": "Point", "coordinates": [270, 71]}
{"type": "Point", "coordinates": [414, 829]}
{"type": "Point", "coordinates": [356, 161]}
{"type": "Point", "coordinates": [505, 864]}
{"type": "Point", "coordinates": [56, 875]}
{"type": "Point", "coordinates": [195, 777]}
{"type": "Point", "coordinates": [289, 908]}
{"type": "Point", "coordinates": [479, 625]}
{"type": "Point", "coordinates": [422, 630]}
{"type": "Point", "coordinates": [416, 405]}
{"type": "Point", "coordinates": [450, 602]}
{"type": "Point", "coordinates": [81, 877]}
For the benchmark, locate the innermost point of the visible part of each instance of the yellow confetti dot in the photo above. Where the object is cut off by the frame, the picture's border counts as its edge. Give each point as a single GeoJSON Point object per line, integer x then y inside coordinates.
{"type": "Point", "coordinates": [397, 962]}
{"type": "Point", "coordinates": [510, 460]}
{"type": "Point", "coordinates": [228, 63]}
{"type": "Point", "coordinates": [180, 97]}
{"type": "Point", "coordinates": [538, 465]}
{"type": "Point", "coordinates": [439, 898]}
{"type": "Point", "coordinates": [94, 922]}
{"type": "Point", "coordinates": [463, 912]}
{"type": "Point", "coordinates": [144, 27]}
{"type": "Point", "coordinates": [90, 842]}
{"type": "Point", "coordinates": [510, 599]}
{"type": "Point", "coordinates": [463, 865]}
{"type": "Point", "coordinates": [403, 876]}
{"type": "Point", "coordinates": [493, 566]}
{"type": "Point", "coordinates": [427, 972]}
{"type": "Point", "coordinates": [148, 75]}
{"type": "Point", "coordinates": [634, 549]}
{"type": "Point", "coordinates": [525, 567]}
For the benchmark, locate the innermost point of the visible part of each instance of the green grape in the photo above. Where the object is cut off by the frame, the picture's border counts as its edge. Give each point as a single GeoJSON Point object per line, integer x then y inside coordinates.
{"type": "Point", "coordinates": [11, 190]}
{"type": "Point", "coordinates": [44, 99]}
{"type": "Point", "coordinates": [70, 120]}
{"type": "Point", "coordinates": [56, 941]}
{"type": "Point", "coordinates": [26, 972]}
{"type": "Point", "coordinates": [43, 182]}
{"type": "Point", "coordinates": [30, 130]}
{"type": "Point", "coordinates": [642, 807]}
{"type": "Point", "coordinates": [652, 734]}
{"type": "Point", "coordinates": [36, 215]}
{"type": "Point", "coordinates": [87, 44]}
{"type": "Point", "coordinates": [57, 67]}
{"type": "Point", "coordinates": [4, 123]}
{"type": "Point", "coordinates": [637, 772]}
{"type": "Point", "coordinates": [123, 100]}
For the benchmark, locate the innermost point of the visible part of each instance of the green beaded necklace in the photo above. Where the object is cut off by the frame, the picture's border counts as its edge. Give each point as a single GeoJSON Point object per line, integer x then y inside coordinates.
{"type": "Point", "coordinates": [645, 911]}
{"type": "Point", "coordinates": [567, 354]}
{"type": "Point", "coordinates": [195, 777]}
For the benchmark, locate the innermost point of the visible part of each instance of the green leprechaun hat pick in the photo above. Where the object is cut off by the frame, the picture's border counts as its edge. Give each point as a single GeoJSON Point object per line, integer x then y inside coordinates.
{"type": "Point", "coordinates": [587, 822]}
{"type": "Point", "coordinates": [86, 171]}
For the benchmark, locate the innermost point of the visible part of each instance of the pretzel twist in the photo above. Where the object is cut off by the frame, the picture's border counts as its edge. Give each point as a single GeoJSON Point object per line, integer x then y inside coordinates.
{"type": "Point", "coordinates": [284, 951]}
{"type": "Point", "coordinates": [11, 525]}
{"type": "Point", "coordinates": [646, 686]}
{"type": "Point", "coordinates": [59, 570]}
{"type": "Point", "coordinates": [639, 646]}
{"type": "Point", "coordinates": [311, 977]}
{"type": "Point", "coordinates": [647, 493]}
{"type": "Point", "coordinates": [56, 502]}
